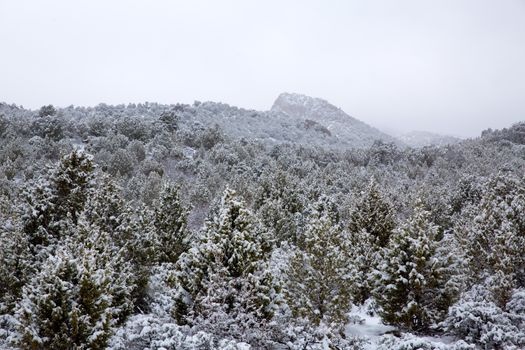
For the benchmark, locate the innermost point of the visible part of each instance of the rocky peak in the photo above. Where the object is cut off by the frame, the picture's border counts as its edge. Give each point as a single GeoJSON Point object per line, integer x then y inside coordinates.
{"type": "Point", "coordinates": [346, 128]}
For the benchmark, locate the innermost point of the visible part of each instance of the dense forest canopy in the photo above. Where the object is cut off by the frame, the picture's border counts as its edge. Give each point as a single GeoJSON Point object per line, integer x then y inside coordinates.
{"type": "Point", "coordinates": [207, 226]}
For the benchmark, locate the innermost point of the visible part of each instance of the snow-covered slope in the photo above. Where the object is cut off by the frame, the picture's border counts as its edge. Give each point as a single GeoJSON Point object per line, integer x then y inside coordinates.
{"type": "Point", "coordinates": [293, 118]}
{"type": "Point", "coordinates": [348, 130]}
{"type": "Point", "coordinates": [266, 126]}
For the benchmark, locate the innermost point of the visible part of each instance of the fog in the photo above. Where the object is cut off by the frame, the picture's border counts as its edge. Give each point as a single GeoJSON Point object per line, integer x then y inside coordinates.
{"type": "Point", "coordinates": [453, 67]}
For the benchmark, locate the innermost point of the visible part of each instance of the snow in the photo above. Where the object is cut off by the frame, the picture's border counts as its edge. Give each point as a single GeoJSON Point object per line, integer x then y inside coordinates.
{"type": "Point", "coordinates": [377, 336]}
{"type": "Point", "coordinates": [370, 326]}
{"type": "Point", "coordinates": [189, 152]}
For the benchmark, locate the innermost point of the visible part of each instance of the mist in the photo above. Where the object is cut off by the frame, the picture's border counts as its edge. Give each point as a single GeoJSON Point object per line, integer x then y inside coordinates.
{"type": "Point", "coordinates": [452, 67]}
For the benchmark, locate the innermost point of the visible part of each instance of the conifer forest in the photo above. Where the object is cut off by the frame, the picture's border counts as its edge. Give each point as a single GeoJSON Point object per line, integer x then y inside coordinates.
{"type": "Point", "coordinates": [203, 226]}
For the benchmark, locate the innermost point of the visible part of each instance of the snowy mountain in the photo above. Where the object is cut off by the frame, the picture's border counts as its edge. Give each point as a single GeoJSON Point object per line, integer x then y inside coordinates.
{"type": "Point", "coordinates": [267, 126]}
{"type": "Point", "coordinates": [293, 118]}
{"type": "Point", "coordinates": [418, 139]}
{"type": "Point", "coordinates": [348, 130]}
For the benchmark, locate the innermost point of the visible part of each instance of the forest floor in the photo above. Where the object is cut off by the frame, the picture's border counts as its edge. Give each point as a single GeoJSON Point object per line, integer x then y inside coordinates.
{"type": "Point", "coordinates": [367, 325]}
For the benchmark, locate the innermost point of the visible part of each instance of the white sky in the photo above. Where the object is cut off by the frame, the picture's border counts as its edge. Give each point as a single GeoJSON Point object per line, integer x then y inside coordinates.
{"type": "Point", "coordinates": [448, 66]}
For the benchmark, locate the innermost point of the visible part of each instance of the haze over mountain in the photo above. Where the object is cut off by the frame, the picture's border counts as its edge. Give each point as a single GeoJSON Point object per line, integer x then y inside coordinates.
{"type": "Point", "coordinates": [419, 139]}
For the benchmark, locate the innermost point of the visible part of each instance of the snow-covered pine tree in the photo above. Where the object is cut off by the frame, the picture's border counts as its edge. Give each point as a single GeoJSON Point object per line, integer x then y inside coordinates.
{"type": "Point", "coordinates": [111, 256]}
{"type": "Point", "coordinates": [411, 277]}
{"type": "Point", "coordinates": [135, 237]}
{"type": "Point", "coordinates": [365, 258]}
{"type": "Point", "coordinates": [79, 294]}
{"type": "Point", "coordinates": [320, 272]}
{"type": "Point", "coordinates": [57, 199]}
{"type": "Point", "coordinates": [279, 204]}
{"type": "Point", "coordinates": [371, 224]}
{"type": "Point", "coordinates": [223, 281]}
{"type": "Point", "coordinates": [111, 225]}
{"type": "Point", "coordinates": [15, 263]}
{"type": "Point", "coordinates": [71, 182]}
{"type": "Point", "coordinates": [37, 221]}
{"type": "Point", "coordinates": [284, 224]}
{"type": "Point", "coordinates": [43, 312]}
{"type": "Point", "coordinates": [374, 215]}
{"type": "Point", "coordinates": [468, 191]}
{"type": "Point", "coordinates": [169, 223]}
{"type": "Point", "coordinates": [492, 236]}
{"type": "Point", "coordinates": [105, 207]}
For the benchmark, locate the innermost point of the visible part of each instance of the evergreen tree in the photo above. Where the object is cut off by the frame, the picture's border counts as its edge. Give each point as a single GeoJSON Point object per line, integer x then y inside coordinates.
{"type": "Point", "coordinates": [320, 273]}
{"type": "Point", "coordinates": [223, 281]}
{"type": "Point", "coordinates": [45, 111]}
{"type": "Point", "coordinates": [57, 200]}
{"type": "Point", "coordinates": [373, 214]}
{"type": "Point", "coordinates": [110, 225]}
{"type": "Point", "coordinates": [411, 279]}
{"type": "Point", "coordinates": [71, 183]}
{"type": "Point", "coordinates": [279, 204]}
{"type": "Point", "coordinates": [15, 263]}
{"type": "Point", "coordinates": [105, 207]}
{"type": "Point", "coordinates": [477, 319]}
{"type": "Point", "coordinates": [371, 224]}
{"type": "Point", "coordinates": [492, 236]}
{"type": "Point", "coordinates": [134, 236]}
{"type": "Point", "coordinates": [365, 258]}
{"type": "Point", "coordinates": [170, 225]}
{"type": "Point", "coordinates": [75, 299]}
{"type": "Point", "coordinates": [129, 230]}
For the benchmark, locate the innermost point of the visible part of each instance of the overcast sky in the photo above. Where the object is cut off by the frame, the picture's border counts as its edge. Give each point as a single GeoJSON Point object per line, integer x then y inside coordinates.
{"type": "Point", "coordinates": [454, 67]}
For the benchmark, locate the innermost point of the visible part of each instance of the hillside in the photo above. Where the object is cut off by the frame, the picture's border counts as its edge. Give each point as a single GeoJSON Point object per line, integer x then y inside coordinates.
{"type": "Point", "coordinates": [350, 131]}
{"type": "Point", "coordinates": [293, 118]}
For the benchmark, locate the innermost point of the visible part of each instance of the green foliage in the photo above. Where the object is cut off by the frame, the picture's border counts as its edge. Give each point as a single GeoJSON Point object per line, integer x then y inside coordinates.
{"type": "Point", "coordinates": [169, 223]}
{"type": "Point", "coordinates": [374, 215]}
{"type": "Point", "coordinates": [211, 137]}
{"type": "Point", "coordinates": [72, 302]}
{"type": "Point", "coordinates": [134, 237]}
{"type": "Point", "coordinates": [49, 127]}
{"type": "Point", "coordinates": [57, 199]}
{"type": "Point", "coordinates": [225, 273]}
{"type": "Point", "coordinates": [365, 258]}
{"type": "Point", "coordinates": [371, 224]}
{"type": "Point", "coordinates": [46, 111]}
{"type": "Point", "coordinates": [71, 183]}
{"type": "Point", "coordinates": [320, 274]}
{"type": "Point", "coordinates": [411, 278]}
{"type": "Point", "coordinates": [171, 118]}
{"type": "Point", "coordinates": [492, 236]}
{"type": "Point", "coordinates": [279, 205]}
{"type": "Point", "coordinates": [15, 263]}
{"type": "Point", "coordinates": [106, 207]}
{"type": "Point", "coordinates": [122, 163]}
{"type": "Point", "coordinates": [81, 285]}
